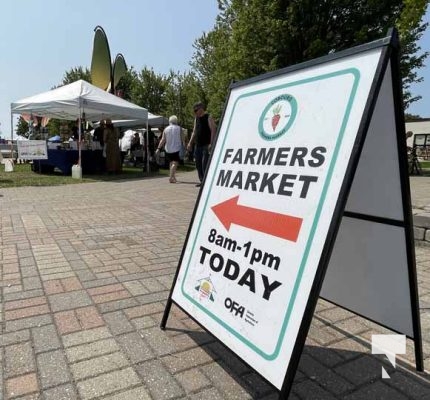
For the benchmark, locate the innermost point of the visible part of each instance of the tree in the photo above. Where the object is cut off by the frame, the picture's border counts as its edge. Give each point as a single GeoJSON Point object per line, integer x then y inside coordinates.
{"type": "Point", "coordinates": [75, 74]}
{"type": "Point", "coordinates": [412, 117]}
{"type": "Point", "coordinates": [126, 84]}
{"type": "Point", "coordinates": [182, 92]}
{"type": "Point", "coordinates": [212, 64]}
{"type": "Point", "coordinates": [22, 127]}
{"type": "Point", "coordinates": [256, 36]}
{"type": "Point", "coordinates": [149, 90]}
{"type": "Point", "coordinates": [411, 29]}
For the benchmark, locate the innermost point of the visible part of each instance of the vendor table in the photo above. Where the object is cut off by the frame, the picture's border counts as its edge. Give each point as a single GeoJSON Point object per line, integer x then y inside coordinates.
{"type": "Point", "coordinates": [92, 161]}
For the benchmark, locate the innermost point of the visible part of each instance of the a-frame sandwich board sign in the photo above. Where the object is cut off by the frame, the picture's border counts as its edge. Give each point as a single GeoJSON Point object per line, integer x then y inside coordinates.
{"type": "Point", "coordinates": [286, 188]}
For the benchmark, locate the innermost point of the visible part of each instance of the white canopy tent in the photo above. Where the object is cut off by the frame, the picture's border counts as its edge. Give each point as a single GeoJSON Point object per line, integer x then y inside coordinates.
{"type": "Point", "coordinates": [155, 121]}
{"type": "Point", "coordinates": [78, 100]}
{"type": "Point", "coordinates": [72, 101]}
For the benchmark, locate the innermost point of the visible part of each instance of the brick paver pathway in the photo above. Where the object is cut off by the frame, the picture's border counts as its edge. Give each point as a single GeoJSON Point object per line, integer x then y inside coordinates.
{"type": "Point", "coordinates": [85, 273]}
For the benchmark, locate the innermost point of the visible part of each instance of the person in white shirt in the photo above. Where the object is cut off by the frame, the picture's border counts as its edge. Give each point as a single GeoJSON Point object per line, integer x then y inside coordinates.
{"type": "Point", "coordinates": [173, 141]}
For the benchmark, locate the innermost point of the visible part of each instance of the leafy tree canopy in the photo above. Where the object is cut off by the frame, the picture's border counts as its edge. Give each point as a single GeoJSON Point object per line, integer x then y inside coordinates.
{"type": "Point", "coordinates": [251, 37]}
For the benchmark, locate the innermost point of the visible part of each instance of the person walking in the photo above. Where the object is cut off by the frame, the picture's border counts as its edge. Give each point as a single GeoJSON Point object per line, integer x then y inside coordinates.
{"type": "Point", "coordinates": [203, 135]}
{"type": "Point", "coordinates": [172, 139]}
{"type": "Point", "coordinates": [111, 145]}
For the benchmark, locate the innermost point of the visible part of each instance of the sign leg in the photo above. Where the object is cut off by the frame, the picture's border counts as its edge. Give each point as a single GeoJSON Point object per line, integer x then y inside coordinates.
{"type": "Point", "coordinates": [166, 314]}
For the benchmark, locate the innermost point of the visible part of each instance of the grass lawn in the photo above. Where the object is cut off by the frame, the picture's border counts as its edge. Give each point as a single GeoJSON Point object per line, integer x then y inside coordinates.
{"type": "Point", "coordinates": [22, 175]}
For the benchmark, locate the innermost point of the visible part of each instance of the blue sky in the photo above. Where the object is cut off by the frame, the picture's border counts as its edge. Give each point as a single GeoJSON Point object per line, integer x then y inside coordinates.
{"type": "Point", "coordinates": [41, 40]}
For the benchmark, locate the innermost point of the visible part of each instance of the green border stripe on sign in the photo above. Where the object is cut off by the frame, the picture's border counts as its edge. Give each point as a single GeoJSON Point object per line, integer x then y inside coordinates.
{"type": "Point", "coordinates": [356, 74]}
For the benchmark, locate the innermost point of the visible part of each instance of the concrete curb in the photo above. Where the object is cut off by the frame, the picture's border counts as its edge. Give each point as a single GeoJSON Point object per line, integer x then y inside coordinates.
{"type": "Point", "coordinates": [421, 221]}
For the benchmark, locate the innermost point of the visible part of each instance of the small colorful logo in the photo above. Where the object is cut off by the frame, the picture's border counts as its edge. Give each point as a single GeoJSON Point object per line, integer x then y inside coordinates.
{"type": "Point", "coordinates": [277, 117]}
{"type": "Point", "coordinates": [206, 289]}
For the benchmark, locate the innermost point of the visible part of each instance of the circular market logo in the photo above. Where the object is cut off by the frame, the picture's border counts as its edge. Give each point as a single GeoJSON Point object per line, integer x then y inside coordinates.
{"type": "Point", "coordinates": [277, 117]}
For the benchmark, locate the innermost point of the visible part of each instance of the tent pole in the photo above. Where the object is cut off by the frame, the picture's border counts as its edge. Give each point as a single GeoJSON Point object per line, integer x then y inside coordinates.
{"type": "Point", "coordinates": [79, 138]}
{"type": "Point", "coordinates": [11, 135]}
{"type": "Point", "coordinates": [147, 146]}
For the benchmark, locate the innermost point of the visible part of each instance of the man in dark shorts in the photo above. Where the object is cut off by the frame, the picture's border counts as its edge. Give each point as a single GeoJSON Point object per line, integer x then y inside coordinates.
{"type": "Point", "coordinates": [203, 135]}
{"type": "Point", "coordinates": [173, 140]}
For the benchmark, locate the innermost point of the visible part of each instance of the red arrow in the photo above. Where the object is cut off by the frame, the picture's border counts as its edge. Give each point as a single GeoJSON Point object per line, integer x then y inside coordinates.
{"type": "Point", "coordinates": [275, 224]}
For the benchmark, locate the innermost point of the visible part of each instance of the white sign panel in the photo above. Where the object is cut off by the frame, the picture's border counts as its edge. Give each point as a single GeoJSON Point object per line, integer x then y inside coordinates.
{"type": "Point", "coordinates": [32, 149]}
{"type": "Point", "coordinates": [268, 200]}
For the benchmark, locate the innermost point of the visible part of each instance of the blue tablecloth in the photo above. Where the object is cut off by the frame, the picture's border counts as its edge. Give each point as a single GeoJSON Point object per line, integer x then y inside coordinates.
{"type": "Point", "coordinates": [92, 161]}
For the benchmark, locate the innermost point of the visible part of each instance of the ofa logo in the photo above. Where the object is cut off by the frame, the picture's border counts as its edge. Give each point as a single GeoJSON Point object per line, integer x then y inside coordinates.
{"type": "Point", "coordinates": [206, 289]}
{"type": "Point", "coordinates": [277, 117]}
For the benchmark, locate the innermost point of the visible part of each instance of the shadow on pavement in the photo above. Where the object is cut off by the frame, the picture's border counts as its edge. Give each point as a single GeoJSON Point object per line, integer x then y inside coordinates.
{"type": "Point", "coordinates": [323, 373]}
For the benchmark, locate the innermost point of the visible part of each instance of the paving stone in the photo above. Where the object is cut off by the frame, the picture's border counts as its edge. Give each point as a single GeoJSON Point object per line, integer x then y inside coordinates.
{"type": "Point", "coordinates": [135, 288]}
{"type": "Point", "coordinates": [410, 386]}
{"type": "Point", "coordinates": [97, 282]}
{"type": "Point", "coordinates": [377, 390]}
{"type": "Point", "coordinates": [63, 392]}
{"type": "Point", "coordinates": [85, 276]}
{"type": "Point", "coordinates": [160, 343]}
{"type": "Point", "coordinates": [33, 301]}
{"type": "Point", "coordinates": [98, 291]}
{"type": "Point", "coordinates": [89, 317]}
{"type": "Point", "coordinates": [212, 394]}
{"type": "Point", "coordinates": [160, 383]}
{"type": "Point", "coordinates": [23, 295]}
{"type": "Point", "coordinates": [28, 272]}
{"type": "Point", "coordinates": [90, 350]}
{"type": "Point", "coordinates": [153, 285]}
{"type": "Point", "coordinates": [53, 287]}
{"type": "Point", "coordinates": [53, 369]}
{"type": "Point", "coordinates": [71, 284]}
{"type": "Point", "coordinates": [117, 305]}
{"type": "Point", "coordinates": [227, 358]}
{"type": "Point", "coordinates": [67, 301]}
{"type": "Point", "coordinates": [136, 349]}
{"type": "Point", "coordinates": [328, 356]}
{"type": "Point", "coordinates": [118, 322]}
{"type": "Point", "coordinates": [350, 348]}
{"type": "Point", "coordinates": [324, 376]}
{"type": "Point", "coordinates": [1, 378]}
{"type": "Point", "coordinates": [132, 277]}
{"type": "Point", "coordinates": [107, 383]}
{"type": "Point", "coordinates": [26, 312]}
{"type": "Point", "coordinates": [74, 339]}
{"type": "Point", "coordinates": [359, 371]}
{"type": "Point", "coordinates": [21, 385]}
{"type": "Point", "coordinates": [138, 393]}
{"type": "Point", "coordinates": [225, 382]}
{"type": "Point", "coordinates": [186, 359]}
{"type": "Point", "coordinates": [186, 342]}
{"type": "Point", "coordinates": [144, 322]}
{"type": "Point", "coordinates": [67, 322]}
{"type": "Point", "coordinates": [153, 297]}
{"type": "Point", "coordinates": [114, 296]}
{"type": "Point", "coordinates": [31, 283]}
{"type": "Point", "coordinates": [45, 338]}
{"type": "Point", "coordinates": [324, 335]}
{"type": "Point", "coordinates": [96, 366]}
{"type": "Point", "coordinates": [257, 386]}
{"type": "Point", "coordinates": [14, 337]}
{"type": "Point", "coordinates": [310, 390]}
{"type": "Point", "coordinates": [141, 311]}
{"type": "Point", "coordinates": [18, 359]}
{"type": "Point", "coordinates": [193, 380]}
